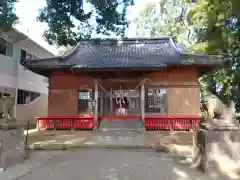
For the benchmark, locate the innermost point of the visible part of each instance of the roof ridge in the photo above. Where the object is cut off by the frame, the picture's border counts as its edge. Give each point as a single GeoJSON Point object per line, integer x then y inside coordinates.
{"type": "Point", "coordinates": [124, 40]}
{"type": "Point", "coordinates": [114, 41]}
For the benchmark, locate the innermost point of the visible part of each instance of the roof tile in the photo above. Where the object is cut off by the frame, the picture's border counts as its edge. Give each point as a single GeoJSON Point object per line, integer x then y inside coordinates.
{"type": "Point", "coordinates": [129, 53]}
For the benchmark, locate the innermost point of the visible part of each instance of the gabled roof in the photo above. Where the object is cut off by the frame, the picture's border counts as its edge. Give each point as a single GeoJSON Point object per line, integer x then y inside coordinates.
{"type": "Point", "coordinates": [127, 53]}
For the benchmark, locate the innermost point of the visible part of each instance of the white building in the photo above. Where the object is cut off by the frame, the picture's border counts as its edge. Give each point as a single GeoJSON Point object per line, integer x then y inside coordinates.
{"type": "Point", "coordinates": [30, 89]}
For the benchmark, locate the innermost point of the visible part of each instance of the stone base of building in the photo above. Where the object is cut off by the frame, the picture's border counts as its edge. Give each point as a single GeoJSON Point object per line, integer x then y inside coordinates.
{"type": "Point", "coordinates": [12, 147]}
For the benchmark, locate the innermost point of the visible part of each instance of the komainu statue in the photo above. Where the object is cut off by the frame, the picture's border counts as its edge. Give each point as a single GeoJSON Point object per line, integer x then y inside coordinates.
{"type": "Point", "coordinates": [219, 121]}
{"type": "Point", "coordinates": [215, 112]}
{"type": "Point", "coordinates": [6, 112]}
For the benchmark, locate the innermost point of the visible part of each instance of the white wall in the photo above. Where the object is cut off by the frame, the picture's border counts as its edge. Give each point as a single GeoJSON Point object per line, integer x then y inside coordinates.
{"type": "Point", "coordinates": [29, 112]}
{"type": "Point", "coordinates": [14, 75]}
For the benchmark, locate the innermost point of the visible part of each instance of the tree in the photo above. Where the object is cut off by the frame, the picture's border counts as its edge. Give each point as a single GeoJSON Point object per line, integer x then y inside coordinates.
{"type": "Point", "coordinates": [166, 17]}
{"type": "Point", "coordinates": [70, 21]}
{"type": "Point", "coordinates": [216, 24]}
{"type": "Point", "coordinates": [7, 14]}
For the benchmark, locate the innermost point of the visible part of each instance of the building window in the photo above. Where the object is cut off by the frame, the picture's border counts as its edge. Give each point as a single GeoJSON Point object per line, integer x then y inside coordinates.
{"type": "Point", "coordinates": [156, 100]}
{"type": "Point", "coordinates": [84, 101]}
{"type": "Point", "coordinates": [27, 56]}
{"type": "Point", "coordinates": [26, 97]}
{"type": "Point", "coordinates": [6, 48]}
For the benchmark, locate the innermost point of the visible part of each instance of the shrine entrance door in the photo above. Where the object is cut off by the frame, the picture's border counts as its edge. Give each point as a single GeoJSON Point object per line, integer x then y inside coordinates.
{"type": "Point", "coordinates": [120, 106]}
{"type": "Point", "coordinates": [122, 102]}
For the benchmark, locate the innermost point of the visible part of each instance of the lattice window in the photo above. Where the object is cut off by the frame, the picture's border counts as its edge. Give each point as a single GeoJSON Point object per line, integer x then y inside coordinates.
{"type": "Point", "coordinates": [84, 101]}
{"type": "Point", "coordinates": [156, 100]}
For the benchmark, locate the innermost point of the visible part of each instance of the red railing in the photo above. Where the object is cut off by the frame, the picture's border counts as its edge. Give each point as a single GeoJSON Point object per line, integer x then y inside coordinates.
{"type": "Point", "coordinates": [151, 122]}
{"type": "Point", "coordinates": [172, 122]}
{"type": "Point", "coordinates": [66, 122]}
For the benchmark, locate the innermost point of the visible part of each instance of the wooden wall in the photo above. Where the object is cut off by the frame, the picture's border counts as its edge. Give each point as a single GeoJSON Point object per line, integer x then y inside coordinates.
{"type": "Point", "coordinates": [183, 89]}
{"type": "Point", "coordinates": [182, 83]}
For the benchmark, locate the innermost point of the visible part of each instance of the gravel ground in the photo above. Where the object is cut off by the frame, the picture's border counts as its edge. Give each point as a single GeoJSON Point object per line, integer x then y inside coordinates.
{"type": "Point", "coordinates": [112, 165]}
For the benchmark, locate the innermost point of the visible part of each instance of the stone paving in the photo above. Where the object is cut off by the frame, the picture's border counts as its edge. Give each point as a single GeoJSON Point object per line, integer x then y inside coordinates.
{"type": "Point", "coordinates": [121, 124]}
{"type": "Point", "coordinates": [113, 165]}
{"type": "Point", "coordinates": [35, 160]}
{"type": "Point", "coordinates": [109, 164]}
{"type": "Point", "coordinates": [179, 142]}
{"type": "Point", "coordinates": [115, 137]}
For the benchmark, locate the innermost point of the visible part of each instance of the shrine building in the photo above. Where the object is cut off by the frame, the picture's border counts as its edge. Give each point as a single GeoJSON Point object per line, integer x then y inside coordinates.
{"type": "Point", "coordinates": [151, 79]}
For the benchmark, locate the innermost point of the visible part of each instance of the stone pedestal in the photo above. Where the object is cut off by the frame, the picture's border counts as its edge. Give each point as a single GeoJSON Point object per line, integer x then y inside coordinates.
{"type": "Point", "coordinates": [12, 147]}
{"type": "Point", "coordinates": [220, 149]}
{"type": "Point", "coordinates": [8, 125]}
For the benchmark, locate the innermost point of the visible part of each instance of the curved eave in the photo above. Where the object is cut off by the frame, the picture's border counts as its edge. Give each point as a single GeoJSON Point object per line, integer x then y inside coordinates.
{"type": "Point", "coordinates": [210, 62]}
{"type": "Point", "coordinates": [46, 70]}
{"type": "Point", "coordinates": [45, 66]}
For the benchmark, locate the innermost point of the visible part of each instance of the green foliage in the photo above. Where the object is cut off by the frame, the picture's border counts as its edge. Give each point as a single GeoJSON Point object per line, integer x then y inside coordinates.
{"type": "Point", "coordinates": [7, 14]}
{"type": "Point", "coordinates": [70, 21]}
{"type": "Point", "coordinates": [208, 18]}
{"type": "Point", "coordinates": [164, 18]}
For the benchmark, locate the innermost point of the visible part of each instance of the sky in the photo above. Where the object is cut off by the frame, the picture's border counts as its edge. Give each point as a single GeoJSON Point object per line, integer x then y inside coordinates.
{"type": "Point", "coordinates": [27, 11]}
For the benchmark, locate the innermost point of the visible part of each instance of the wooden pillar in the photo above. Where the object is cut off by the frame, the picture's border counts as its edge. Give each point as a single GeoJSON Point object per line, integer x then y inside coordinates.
{"type": "Point", "coordinates": [96, 101]}
{"type": "Point", "coordinates": [111, 101]}
{"type": "Point", "coordinates": [142, 101]}
{"type": "Point", "coordinates": [101, 102]}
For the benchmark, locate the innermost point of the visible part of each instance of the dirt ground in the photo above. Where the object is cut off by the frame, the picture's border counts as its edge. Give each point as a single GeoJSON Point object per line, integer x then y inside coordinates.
{"type": "Point", "coordinates": [180, 143]}
{"type": "Point", "coordinates": [166, 137]}
{"type": "Point", "coordinates": [59, 136]}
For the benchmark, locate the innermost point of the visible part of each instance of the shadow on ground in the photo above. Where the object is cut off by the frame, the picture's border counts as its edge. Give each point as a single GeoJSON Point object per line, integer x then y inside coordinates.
{"type": "Point", "coordinates": [179, 143]}
{"type": "Point", "coordinates": [115, 165]}
{"type": "Point", "coordinates": [36, 137]}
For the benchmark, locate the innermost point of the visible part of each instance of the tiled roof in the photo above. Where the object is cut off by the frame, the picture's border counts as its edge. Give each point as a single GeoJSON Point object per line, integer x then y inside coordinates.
{"type": "Point", "coordinates": [129, 53]}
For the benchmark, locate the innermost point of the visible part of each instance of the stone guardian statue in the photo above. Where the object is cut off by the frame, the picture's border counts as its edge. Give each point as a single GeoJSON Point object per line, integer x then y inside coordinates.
{"type": "Point", "coordinates": [7, 119]}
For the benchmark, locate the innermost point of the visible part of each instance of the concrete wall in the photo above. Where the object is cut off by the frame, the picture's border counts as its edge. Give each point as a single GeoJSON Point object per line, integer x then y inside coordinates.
{"type": "Point", "coordinates": [20, 77]}
{"type": "Point", "coordinates": [28, 112]}
{"type": "Point", "coordinates": [7, 66]}
{"type": "Point", "coordinates": [14, 76]}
